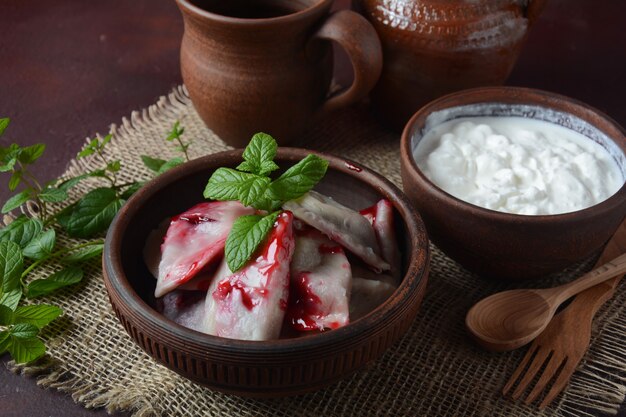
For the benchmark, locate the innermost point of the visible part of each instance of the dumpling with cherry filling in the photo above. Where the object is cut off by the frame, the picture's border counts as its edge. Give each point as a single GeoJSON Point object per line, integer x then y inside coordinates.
{"type": "Point", "coordinates": [194, 240]}
{"type": "Point", "coordinates": [250, 304]}
{"type": "Point", "coordinates": [320, 282]}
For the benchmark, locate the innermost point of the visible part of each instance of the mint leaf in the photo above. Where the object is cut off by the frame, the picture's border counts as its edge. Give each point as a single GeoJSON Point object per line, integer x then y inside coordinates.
{"type": "Point", "coordinates": [176, 132]}
{"type": "Point", "coordinates": [85, 254]}
{"type": "Point", "coordinates": [24, 350]}
{"type": "Point", "coordinates": [259, 154]}
{"type": "Point", "coordinates": [299, 179]}
{"type": "Point", "coordinates": [37, 315]}
{"type": "Point", "coordinates": [85, 152]}
{"type": "Point", "coordinates": [174, 162]}
{"type": "Point", "coordinates": [63, 278]}
{"type": "Point", "coordinates": [16, 201]}
{"type": "Point", "coordinates": [247, 234]}
{"type": "Point", "coordinates": [9, 157]}
{"type": "Point", "coordinates": [105, 140]}
{"type": "Point", "coordinates": [64, 215]}
{"type": "Point", "coordinates": [11, 299]}
{"type": "Point", "coordinates": [153, 164]}
{"type": "Point", "coordinates": [4, 122]}
{"type": "Point", "coordinates": [69, 183]}
{"type": "Point", "coordinates": [15, 180]}
{"type": "Point", "coordinates": [5, 341]}
{"type": "Point", "coordinates": [6, 316]}
{"type": "Point", "coordinates": [21, 231]}
{"type": "Point", "coordinates": [11, 266]}
{"type": "Point", "coordinates": [225, 183]}
{"type": "Point", "coordinates": [252, 189]}
{"type": "Point", "coordinates": [114, 166]}
{"type": "Point", "coordinates": [93, 213]}
{"type": "Point", "coordinates": [24, 331]}
{"type": "Point", "coordinates": [41, 246]}
{"type": "Point", "coordinates": [30, 154]}
{"type": "Point", "coordinates": [53, 195]}
{"type": "Point", "coordinates": [132, 189]}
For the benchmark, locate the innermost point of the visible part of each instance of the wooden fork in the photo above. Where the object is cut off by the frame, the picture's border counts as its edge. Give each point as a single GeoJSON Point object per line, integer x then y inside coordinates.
{"type": "Point", "coordinates": [562, 345]}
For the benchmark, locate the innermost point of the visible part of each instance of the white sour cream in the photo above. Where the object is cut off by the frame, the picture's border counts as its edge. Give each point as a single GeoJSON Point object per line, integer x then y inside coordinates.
{"type": "Point", "coordinates": [518, 165]}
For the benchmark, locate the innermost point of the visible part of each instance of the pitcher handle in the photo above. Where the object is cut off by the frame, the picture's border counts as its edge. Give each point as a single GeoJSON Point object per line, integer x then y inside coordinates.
{"type": "Point", "coordinates": [358, 37]}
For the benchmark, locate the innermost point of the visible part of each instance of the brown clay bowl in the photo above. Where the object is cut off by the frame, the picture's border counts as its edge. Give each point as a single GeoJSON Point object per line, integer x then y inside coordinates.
{"type": "Point", "coordinates": [271, 368]}
{"type": "Point", "coordinates": [512, 246]}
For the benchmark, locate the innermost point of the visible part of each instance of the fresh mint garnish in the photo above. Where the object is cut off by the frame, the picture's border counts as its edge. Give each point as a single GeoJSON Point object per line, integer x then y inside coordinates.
{"type": "Point", "coordinates": [299, 179]}
{"type": "Point", "coordinates": [247, 234]}
{"type": "Point", "coordinates": [251, 184]}
{"type": "Point", "coordinates": [28, 243]}
{"type": "Point", "coordinates": [258, 157]}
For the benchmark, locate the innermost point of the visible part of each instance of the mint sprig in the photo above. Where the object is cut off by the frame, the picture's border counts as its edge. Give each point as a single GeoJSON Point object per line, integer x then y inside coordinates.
{"type": "Point", "coordinates": [251, 184]}
{"type": "Point", "coordinates": [28, 243]}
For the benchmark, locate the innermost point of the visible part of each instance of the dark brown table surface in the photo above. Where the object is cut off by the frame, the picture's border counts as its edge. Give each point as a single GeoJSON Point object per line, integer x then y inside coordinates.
{"type": "Point", "coordinates": [69, 68]}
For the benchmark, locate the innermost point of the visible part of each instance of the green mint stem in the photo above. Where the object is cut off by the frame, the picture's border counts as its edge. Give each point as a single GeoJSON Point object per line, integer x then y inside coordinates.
{"type": "Point", "coordinates": [183, 147]}
{"type": "Point", "coordinates": [60, 252]}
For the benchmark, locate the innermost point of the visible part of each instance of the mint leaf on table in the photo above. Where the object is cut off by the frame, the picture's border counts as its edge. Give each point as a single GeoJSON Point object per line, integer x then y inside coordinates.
{"type": "Point", "coordinates": [23, 344]}
{"type": "Point", "coordinates": [21, 231]}
{"type": "Point", "coordinates": [132, 189]}
{"type": "Point", "coordinates": [4, 122]}
{"type": "Point", "coordinates": [4, 341]}
{"type": "Point", "coordinates": [38, 315]}
{"type": "Point", "coordinates": [41, 246]}
{"type": "Point", "coordinates": [174, 162]}
{"type": "Point", "coordinates": [16, 201]}
{"type": "Point", "coordinates": [299, 179]}
{"type": "Point", "coordinates": [15, 180]}
{"type": "Point", "coordinates": [11, 266]}
{"type": "Point", "coordinates": [153, 164]}
{"type": "Point", "coordinates": [53, 195]}
{"type": "Point", "coordinates": [246, 235]}
{"type": "Point", "coordinates": [11, 298]}
{"type": "Point", "coordinates": [93, 213]}
{"type": "Point", "coordinates": [176, 132]}
{"type": "Point", "coordinates": [6, 316]}
{"type": "Point", "coordinates": [8, 157]}
{"type": "Point", "coordinates": [71, 182]}
{"type": "Point", "coordinates": [63, 278]}
{"type": "Point", "coordinates": [259, 155]}
{"type": "Point", "coordinates": [30, 154]}
{"type": "Point", "coordinates": [84, 254]}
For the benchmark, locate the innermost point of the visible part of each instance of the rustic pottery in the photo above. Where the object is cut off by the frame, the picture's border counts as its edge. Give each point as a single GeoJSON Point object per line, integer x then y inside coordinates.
{"type": "Point", "coordinates": [270, 368]}
{"type": "Point", "coordinates": [264, 65]}
{"type": "Point", "coordinates": [511, 246]}
{"type": "Point", "coordinates": [435, 47]}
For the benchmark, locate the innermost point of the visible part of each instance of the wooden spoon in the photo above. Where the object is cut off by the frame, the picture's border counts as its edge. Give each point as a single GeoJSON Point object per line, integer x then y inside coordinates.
{"type": "Point", "coordinates": [511, 319]}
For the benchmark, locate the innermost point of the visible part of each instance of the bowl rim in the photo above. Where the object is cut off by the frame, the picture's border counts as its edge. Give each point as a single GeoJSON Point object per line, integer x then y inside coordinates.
{"type": "Point", "coordinates": [514, 96]}
{"type": "Point", "coordinates": [413, 280]}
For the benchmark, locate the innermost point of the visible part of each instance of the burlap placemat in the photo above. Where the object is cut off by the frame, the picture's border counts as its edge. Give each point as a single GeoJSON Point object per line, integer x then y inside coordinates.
{"type": "Point", "coordinates": [435, 370]}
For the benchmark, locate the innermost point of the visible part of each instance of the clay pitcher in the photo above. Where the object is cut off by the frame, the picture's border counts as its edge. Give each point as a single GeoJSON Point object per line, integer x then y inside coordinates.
{"type": "Point", "coordinates": [266, 65]}
{"type": "Point", "coordinates": [435, 47]}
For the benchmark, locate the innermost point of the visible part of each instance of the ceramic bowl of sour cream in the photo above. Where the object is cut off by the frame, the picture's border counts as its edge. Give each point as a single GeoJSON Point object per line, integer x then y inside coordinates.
{"type": "Point", "coordinates": [515, 183]}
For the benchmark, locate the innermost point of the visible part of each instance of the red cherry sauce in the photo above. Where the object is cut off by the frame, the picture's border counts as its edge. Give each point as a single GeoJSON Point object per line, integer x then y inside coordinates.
{"type": "Point", "coordinates": [370, 214]}
{"type": "Point", "coordinates": [303, 305]}
{"type": "Point", "coordinates": [248, 298]}
{"type": "Point", "coordinates": [352, 167]}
